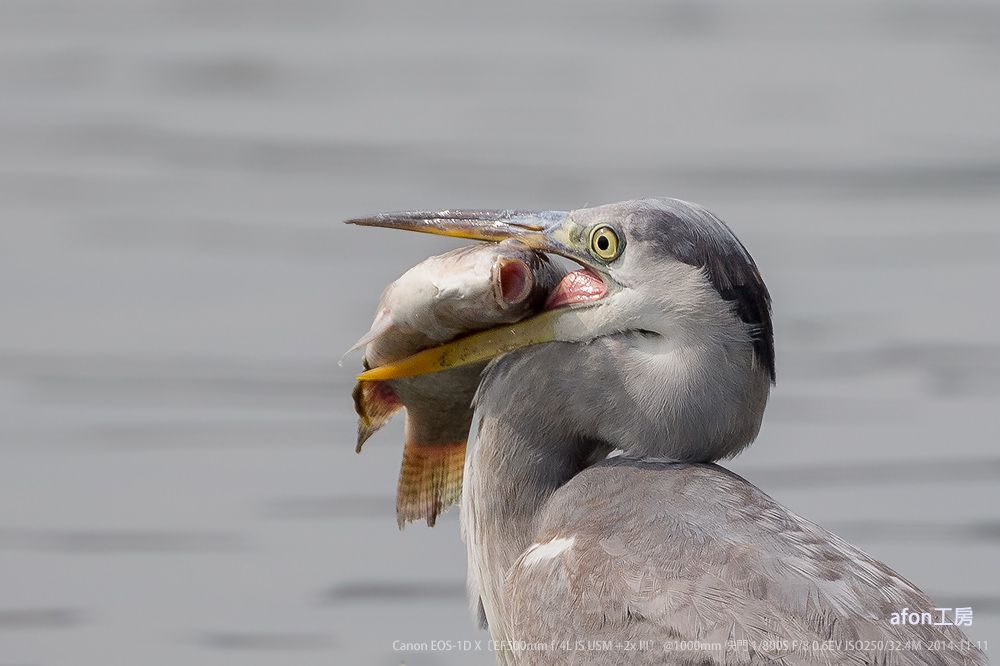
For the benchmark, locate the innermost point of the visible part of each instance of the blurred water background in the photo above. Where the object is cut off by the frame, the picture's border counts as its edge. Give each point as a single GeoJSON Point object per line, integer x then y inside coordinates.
{"type": "Point", "coordinates": [177, 477]}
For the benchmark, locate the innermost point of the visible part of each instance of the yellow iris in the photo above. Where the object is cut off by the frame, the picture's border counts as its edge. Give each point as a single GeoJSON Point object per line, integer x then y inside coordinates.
{"type": "Point", "coordinates": [604, 243]}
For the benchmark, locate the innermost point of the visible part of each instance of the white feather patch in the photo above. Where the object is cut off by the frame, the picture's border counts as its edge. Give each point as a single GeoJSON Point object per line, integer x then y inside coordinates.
{"type": "Point", "coordinates": [541, 552]}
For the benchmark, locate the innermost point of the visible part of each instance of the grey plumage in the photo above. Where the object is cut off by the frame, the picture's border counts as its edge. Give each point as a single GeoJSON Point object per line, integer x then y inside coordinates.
{"type": "Point", "coordinates": [671, 365]}
{"type": "Point", "coordinates": [655, 550]}
{"type": "Point", "coordinates": [693, 555]}
{"type": "Point", "coordinates": [698, 238]}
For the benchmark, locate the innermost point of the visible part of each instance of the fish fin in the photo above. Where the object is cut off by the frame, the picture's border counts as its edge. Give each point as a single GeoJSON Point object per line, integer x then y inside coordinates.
{"type": "Point", "coordinates": [375, 403]}
{"type": "Point", "coordinates": [383, 322]}
{"type": "Point", "coordinates": [430, 480]}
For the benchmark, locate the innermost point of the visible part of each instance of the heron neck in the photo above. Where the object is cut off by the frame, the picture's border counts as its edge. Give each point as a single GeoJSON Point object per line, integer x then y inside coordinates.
{"type": "Point", "coordinates": [521, 454]}
{"type": "Point", "coordinates": [512, 469]}
{"type": "Point", "coordinates": [548, 411]}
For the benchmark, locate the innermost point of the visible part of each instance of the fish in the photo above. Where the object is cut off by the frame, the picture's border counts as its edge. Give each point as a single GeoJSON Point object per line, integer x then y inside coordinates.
{"type": "Point", "coordinates": [442, 298]}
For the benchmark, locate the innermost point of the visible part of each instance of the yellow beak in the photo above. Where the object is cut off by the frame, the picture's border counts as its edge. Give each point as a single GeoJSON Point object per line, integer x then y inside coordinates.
{"type": "Point", "coordinates": [481, 346]}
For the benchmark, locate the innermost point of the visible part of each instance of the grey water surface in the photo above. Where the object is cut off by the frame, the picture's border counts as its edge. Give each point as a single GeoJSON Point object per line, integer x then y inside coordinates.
{"type": "Point", "coordinates": [178, 483]}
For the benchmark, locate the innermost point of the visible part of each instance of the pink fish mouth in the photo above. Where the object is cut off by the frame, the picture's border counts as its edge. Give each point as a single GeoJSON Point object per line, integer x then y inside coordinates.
{"type": "Point", "coordinates": [512, 281]}
{"type": "Point", "coordinates": [580, 286]}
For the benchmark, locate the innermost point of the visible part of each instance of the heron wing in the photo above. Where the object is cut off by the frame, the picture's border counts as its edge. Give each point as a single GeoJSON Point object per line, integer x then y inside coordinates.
{"type": "Point", "coordinates": [636, 559]}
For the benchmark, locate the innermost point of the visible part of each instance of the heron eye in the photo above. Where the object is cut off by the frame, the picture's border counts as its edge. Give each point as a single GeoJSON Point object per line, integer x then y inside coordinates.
{"type": "Point", "coordinates": [604, 243]}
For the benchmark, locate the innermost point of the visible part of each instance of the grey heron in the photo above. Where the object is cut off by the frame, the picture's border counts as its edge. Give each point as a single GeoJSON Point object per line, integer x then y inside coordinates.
{"type": "Point", "coordinates": [661, 348]}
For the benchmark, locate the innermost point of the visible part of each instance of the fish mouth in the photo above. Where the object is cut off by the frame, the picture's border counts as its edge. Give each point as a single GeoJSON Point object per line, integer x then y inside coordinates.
{"type": "Point", "coordinates": [512, 282]}
{"type": "Point", "coordinates": [550, 232]}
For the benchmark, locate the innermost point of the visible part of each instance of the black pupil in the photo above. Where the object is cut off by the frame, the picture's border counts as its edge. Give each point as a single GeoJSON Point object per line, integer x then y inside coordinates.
{"type": "Point", "coordinates": [603, 243]}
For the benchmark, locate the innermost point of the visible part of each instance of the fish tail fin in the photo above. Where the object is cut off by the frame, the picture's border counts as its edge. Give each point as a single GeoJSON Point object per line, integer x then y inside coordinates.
{"type": "Point", "coordinates": [430, 480]}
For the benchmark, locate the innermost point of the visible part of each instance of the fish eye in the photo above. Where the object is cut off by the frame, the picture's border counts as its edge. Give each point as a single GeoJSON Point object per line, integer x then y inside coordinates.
{"type": "Point", "coordinates": [604, 243]}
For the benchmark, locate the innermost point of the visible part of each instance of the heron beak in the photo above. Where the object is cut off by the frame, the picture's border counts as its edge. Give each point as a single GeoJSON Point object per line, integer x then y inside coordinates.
{"type": "Point", "coordinates": [549, 231]}
{"type": "Point", "coordinates": [532, 229]}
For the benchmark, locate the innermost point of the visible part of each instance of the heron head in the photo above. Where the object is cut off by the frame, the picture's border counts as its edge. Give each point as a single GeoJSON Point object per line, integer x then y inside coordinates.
{"type": "Point", "coordinates": [668, 312]}
{"type": "Point", "coordinates": [662, 268]}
